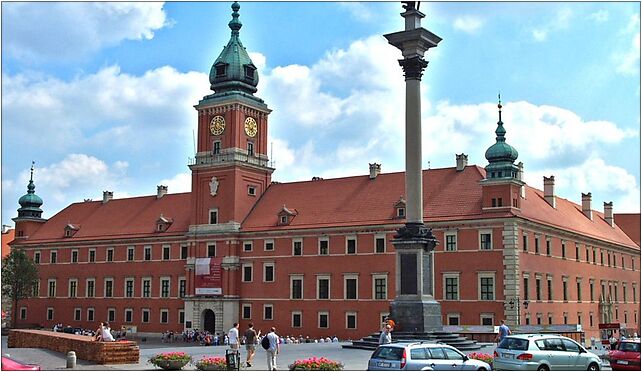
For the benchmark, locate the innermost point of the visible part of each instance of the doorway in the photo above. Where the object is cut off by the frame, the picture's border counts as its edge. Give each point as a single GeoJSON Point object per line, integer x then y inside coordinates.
{"type": "Point", "coordinates": [209, 321]}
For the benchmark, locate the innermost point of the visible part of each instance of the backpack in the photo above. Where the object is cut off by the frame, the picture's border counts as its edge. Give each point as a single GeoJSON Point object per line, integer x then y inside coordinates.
{"type": "Point", "coordinates": [265, 342]}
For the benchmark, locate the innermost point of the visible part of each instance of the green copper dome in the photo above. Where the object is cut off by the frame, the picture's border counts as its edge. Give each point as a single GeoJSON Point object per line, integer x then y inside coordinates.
{"type": "Point", "coordinates": [233, 70]}
{"type": "Point", "coordinates": [501, 156]}
{"type": "Point", "coordinates": [30, 202]}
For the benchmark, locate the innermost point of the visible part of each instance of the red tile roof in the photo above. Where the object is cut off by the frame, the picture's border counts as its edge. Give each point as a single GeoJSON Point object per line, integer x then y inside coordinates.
{"type": "Point", "coordinates": [6, 239]}
{"type": "Point", "coordinates": [118, 218]}
{"type": "Point", "coordinates": [630, 223]}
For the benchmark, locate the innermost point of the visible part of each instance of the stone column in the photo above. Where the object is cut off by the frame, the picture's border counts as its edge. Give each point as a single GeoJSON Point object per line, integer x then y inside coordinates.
{"type": "Point", "coordinates": [414, 308]}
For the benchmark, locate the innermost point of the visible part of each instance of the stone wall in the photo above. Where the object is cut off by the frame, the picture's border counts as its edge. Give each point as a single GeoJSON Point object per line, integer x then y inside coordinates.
{"type": "Point", "coordinates": [119, 352]}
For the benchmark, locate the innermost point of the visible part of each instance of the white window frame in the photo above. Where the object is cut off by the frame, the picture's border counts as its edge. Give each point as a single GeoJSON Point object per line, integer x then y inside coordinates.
{"type": "Point", "coordinates": [446, 235]}
{"type": "Point", "coordinates": [69, 294]}
{"type": "Point", "coordinates": [110, 249]}
{"type": "Point", "coordinates": [133, 281]}
{"type": "Point", "coordinates": [377, 237]}
{"type": "Point", "coordinates": [51, 255]}
{"type": "Point", "coordinates": [89, 254]}
{"type": "Point", "coordinates": [452, 316]}
{"type": "Point", "coordinates": [112, 309]}
{"type": "Point", "coordinates": [376, 276]}
{"type": "Point", "coordinates": [294, 241]}
{"type": "Point", "coordinates": [142, 286]}
{"type": "Point", "coordinates": [486, 274]}
{"type": "Point", "coordinates": [324, 277]}
{"type": "Point", "coordinates": [250, 244]}
{"type": "Point", "coordinates": [51, 314]}
{"type": "Point", "coordinates": [347, 277]}
{"type": "Point", "coordinates": [294, 277]}
{"type": "Point", "coordinates": [251, 190]}
{"type": "Point", "coordinates": [23, 313]}
{"type": "Point", "coordinates": [142, 315]}
{"type": "Point", "coordinates": [178, 288]}
{"type": "Point", "coordinates": [39, 255]}
{"type": "Point", "coordinates": [209, 216]}
{"type": "Point", "coordinates": [167, 247]}
{"type": "Point", "coordinates": [451, 275]}
{"type": "Point", "coordinates": [207, 249]}
{"type": "Point", "coordinates": [133, 250]}
{"type": "Point", "coordinates": [151, 253]}
{"type": "Point", "coordinates": [243, 266]}
{"type": "Point", "coordinates": [265, 266]}
{"type": "Point", "coordinates": [87, 281]}
{"type": "Point", "coordinates": [487, 315]}
{"type": "Point", "coordinates": [169, 287]}
{"type": "Point", "coordinates": [265, 244]}
{"type": "Point", "coordinates": [72, 256]}
{"type": "Point", "coordinates": [131, 312]}
{"type": "Point", "coordinates": [181, 314]}
{"type": "Point", "coordinates": [300, 314]}
{"type": "Point", "coordinates": [479, 236]}
{"type": "Point", "coordinates": [327, 314]}
{"type": "Point", "coordinates": [323, 239]}
{"type": "Point", "coordinates": [356, 244]}
{"type": "Point", "coordinates": [243, 307]}
{"type": "Point", "coordinates": [108, 279]}
{"type": "Point", "coordinates": [91, 314]}
{"type": "Point", "coordinates": [55, 288]}
{"type": "Point", "coordinates": [77, 314]}
{"type": "Point", "coordinates": [348, 314]}
{"type": "Point", "coordinates": [160, 316]}
{"type": "Point", "coordinates": [266, 306]}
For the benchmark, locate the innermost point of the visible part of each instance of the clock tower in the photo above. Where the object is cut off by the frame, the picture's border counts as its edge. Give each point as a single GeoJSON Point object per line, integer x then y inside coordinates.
{"type": "Point", "coordinates": [230, 170]}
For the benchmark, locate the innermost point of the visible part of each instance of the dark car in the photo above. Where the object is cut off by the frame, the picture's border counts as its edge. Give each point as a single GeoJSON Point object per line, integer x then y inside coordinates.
{"type": "Point", "coordinates": [9, 364]}
{"type": "Point", "coordinates": [626, 357]}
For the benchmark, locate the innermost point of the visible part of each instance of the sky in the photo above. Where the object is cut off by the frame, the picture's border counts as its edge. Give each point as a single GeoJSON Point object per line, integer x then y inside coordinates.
{"type": "Point", "coordinates": [101, 95]}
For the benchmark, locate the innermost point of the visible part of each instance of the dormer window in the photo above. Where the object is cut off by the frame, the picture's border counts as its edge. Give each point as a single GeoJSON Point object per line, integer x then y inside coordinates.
{"type": "Point", "coordinates": [284, 220]}
{"type": "Point", "coordinates": [286, 216]}
{"type": "Point", "coordinates": [401, 212]}
{"type": "Point", "coordinates": [163, 223]}
{"type": "Point", "coordinates": [71, 230]}
{"type": "Point", "coordinates": [249, 72]}
{"type": "Point", "coordinates": [400, 208]}
{"type": "Point", "coordinates": [221, 70]}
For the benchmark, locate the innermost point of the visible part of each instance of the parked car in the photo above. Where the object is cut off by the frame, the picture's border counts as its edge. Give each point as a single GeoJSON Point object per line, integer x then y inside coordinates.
{"type": "Point", "coordinates": [541, 352]}
{"type": "Point", "coordinates": [422, 356]}
{"type": "Point", "coordinates": [9, 364]}
{"type": "Point", "coordinates": [626, 357]}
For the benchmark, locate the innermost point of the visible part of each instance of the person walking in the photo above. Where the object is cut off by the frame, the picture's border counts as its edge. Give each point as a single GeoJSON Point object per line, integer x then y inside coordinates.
{"type": "Point", "coordinates": [233, 336]}
{"type": "Point", "coordinates": [386, 335]}
{"type": "Point", "coordinates": [251, 339]}
{"type": "Point", "coordinates": [503, 331]}
{"type": "Point", "coordinates": [273, 350]}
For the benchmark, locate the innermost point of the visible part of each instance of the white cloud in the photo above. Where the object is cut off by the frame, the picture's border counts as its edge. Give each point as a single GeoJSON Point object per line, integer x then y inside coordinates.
{"type": "Point", "coordinates": [600, 16]}
{"type": "Point", "coordinates": [468, 24]}
{"type": "Point", "coordinates": [65, 30]}
{"type": "Point", "coordinates": [181, 182]}
{"type": "Point", "coordinates": [628, 61]}
{"type": "Point", "coordinates": [560, 21]}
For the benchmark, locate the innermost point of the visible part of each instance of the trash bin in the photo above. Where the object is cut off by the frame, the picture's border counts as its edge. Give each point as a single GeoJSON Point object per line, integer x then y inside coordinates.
{"type": "Point", "coordinates": [233, 359]}
{"type": "Point", "coordinates": [71, 359]}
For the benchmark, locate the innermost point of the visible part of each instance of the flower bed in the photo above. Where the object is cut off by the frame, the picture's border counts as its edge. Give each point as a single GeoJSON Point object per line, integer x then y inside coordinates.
{"type": "Point", "coordinates": [481, 356]}
{"type": "Point", "coordinates": [211, 364]}
{"type": "Point", "coordinates": [315, 364]}
{"type": "Point", "coordinates": [171, 361]}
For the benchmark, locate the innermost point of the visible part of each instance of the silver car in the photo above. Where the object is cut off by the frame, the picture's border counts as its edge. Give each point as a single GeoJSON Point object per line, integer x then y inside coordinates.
{"type": "Point", "coordinates": [422, 356]}
{"type": "Point", "coordinates": [539, 352]}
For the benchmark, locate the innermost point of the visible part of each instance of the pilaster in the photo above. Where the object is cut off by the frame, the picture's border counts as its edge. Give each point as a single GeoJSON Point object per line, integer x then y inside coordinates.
{"type": "Point", "coordinates": [510, 235]}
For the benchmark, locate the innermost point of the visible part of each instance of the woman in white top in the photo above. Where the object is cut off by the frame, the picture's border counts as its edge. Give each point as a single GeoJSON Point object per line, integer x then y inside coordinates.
{"type": "Point", "coordinates": [106, 333]}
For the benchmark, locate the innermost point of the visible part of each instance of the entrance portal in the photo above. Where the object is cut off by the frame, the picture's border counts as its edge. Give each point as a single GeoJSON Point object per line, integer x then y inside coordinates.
{"type": "Point", "coordinates": [209, 321]}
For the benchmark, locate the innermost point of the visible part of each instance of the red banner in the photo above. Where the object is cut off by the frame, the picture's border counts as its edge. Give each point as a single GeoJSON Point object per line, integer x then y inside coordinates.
{"type": "Point", "coordinates": [208, 280]}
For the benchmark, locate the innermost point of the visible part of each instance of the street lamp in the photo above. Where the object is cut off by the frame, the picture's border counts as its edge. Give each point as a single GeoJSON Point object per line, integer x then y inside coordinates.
{"type": "Point", "coordinates": [514, 302]}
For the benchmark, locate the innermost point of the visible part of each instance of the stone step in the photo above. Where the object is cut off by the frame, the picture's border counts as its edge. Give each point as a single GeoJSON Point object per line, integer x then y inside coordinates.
{"type": "Point", "coordinates": [453, 339]}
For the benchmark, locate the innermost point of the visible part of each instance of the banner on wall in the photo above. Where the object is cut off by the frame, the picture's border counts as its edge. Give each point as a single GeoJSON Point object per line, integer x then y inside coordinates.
{"type": "Point", "coordinates": [208, 280]}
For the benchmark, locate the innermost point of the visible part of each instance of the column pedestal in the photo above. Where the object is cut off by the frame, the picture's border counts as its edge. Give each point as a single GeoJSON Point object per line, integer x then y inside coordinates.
{"type": "Point", "coordinates": [416, 315]}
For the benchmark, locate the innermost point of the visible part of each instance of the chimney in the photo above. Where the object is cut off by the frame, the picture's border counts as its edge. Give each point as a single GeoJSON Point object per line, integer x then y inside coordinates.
{"type": "Point", "coordinates": [6, 228]}
{"type": "Point", "coordinates": [462, 161]}
{"type": "Point", "coordinates": [586, 206]}
{"type": "Point", "coordinates": [608, 213]}
{"type": "Point", "coordinates": [107, 196]}
{"type": "Point", "coordinates": [161, 191]}
{"type": "Point", "coordinates": [549, 190]}
{"type": "Point", "coordinates": [375, 169]}
{"type": "Point", "coordinates": [520, 176]}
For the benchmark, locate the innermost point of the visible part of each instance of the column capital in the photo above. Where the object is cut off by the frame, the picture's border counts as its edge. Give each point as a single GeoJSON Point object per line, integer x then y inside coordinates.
{"type": "Point", "coordinates": [413, 67]}
{"type": "Point", "coordinates": [416, 232]}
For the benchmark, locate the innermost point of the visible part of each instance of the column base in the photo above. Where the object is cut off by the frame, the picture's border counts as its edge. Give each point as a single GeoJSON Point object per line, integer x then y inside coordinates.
{"type": "Point", "coordinates": [416, 315]}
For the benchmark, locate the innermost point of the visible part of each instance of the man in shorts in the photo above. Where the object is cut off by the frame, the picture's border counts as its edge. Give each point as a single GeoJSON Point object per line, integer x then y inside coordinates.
{"type": "Point", "coordinates": [233, 336]}
{"type": "Point", "coordinates": [251, 340]}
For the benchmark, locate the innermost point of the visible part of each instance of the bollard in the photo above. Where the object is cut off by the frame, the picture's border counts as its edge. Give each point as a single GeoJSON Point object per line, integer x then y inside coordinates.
{"type": "Point", "coordinates": [71, 359]}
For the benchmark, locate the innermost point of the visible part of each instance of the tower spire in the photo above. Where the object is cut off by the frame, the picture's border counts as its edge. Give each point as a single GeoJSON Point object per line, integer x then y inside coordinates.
{"type": "Point", "coordinates": [235, 24]}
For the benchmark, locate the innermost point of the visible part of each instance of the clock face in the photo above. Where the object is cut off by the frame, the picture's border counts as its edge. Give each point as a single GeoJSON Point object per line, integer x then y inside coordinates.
{"type": "Point", "coordinates": [217, 125]}
{"type": "Point", "coordinates": [251, 128]}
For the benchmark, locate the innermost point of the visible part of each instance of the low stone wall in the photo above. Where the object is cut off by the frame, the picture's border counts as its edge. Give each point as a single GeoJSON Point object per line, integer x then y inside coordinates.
{"type": "Point", "coordinates": [118, 352]}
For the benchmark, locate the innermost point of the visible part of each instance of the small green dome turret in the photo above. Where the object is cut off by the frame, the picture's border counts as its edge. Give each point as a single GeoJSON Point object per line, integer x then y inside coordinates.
{"type": "Point", "coordinates": [501, 156]}
{"type": "Point", "coordinates": [233, 70]}
{"type": "Point", "coordinates": [30, 202]}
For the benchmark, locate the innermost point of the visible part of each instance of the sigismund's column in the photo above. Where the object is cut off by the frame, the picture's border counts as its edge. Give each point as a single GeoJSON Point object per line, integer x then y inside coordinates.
{"type": "Point", "coordinates": [414, 308]}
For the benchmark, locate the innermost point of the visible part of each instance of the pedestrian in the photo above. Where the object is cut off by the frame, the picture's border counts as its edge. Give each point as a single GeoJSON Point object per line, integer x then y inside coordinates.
{"type": "Point", "coordinates": [233, 336]}
{"type": "Point", "coordinates": [386, 335]}
{"type": "Point", "coordinates": [503, 331]}
{"type": "Point", "coordinates": [273, 350]}
{"type": "Point", "coordinates": [251, 340]}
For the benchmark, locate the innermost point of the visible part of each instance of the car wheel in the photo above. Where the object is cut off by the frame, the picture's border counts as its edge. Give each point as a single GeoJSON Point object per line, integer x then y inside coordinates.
{"type": "Point", "coordinates": [543, 367]}
{"type": "Point", "coordinates": [593, 367]}
{"type": "Point", "coordinates": [482, 369]}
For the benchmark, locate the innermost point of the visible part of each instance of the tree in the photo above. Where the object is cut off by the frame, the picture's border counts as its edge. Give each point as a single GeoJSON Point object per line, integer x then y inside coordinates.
{"type": "Point", "coordinates": [19, 276]}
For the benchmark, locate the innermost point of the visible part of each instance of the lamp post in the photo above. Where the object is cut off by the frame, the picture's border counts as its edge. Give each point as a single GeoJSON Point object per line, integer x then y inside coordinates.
{"type": "Point", "coordinates": [515, 303]}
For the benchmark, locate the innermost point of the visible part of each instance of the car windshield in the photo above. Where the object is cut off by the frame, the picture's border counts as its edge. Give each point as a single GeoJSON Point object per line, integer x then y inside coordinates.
{"type": "Point", "coordinates": [629, 346]}
{"type": "Point", "coordinates": [514, 344]}
{"type": "Point", "coordinates": [388, 353]}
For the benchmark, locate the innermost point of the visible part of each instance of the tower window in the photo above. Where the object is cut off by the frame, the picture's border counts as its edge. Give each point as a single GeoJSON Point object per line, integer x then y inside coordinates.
{"type": "Point", "coordinates": [213, 217]}
{"type": "Point", "coordinates": [251, 190]}
{"type": "Point", "coordinates": [216, 147]}
{"type": "Point", "coordinates": [220, 70]}
{"type": "Point", "coordinates": [250, 149]}
{"type": "Point", "coordinates": [249, 72]}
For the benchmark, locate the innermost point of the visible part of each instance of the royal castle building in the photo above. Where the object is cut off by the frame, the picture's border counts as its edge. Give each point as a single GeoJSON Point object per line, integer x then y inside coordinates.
{"type": "Point", "coordinates": [315, 257]}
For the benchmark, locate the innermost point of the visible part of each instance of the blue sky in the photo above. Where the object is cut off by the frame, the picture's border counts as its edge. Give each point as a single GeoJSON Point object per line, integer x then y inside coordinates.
{"type": "Point", "coordinates": [100, 95]}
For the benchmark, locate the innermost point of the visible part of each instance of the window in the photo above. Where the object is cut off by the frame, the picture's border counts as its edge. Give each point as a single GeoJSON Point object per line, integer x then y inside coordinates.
{"type": "Point", "coordinates": [73, 288]}
{"type": "Point", "coordinates": [111, 315]}
{"type": "Point", "coordinates": [351, 245]}
{"type": "Point", "coordinates": [485, 240]}
{"type": "Point", "coordinates": [35, 291]}
{"type": "Point", "coordinates": [284, 220]}
{"type": "Point", "coordinates": [323, 288]}
{"type": "Point", "coordinates": [213, 216]}
{"type": "Point", "coordinates": [181, 316]}
{"type": "Point", "coordinates": [53, 257]}
{"type": "Point", "coordinates": [615, 291]}
{"type": "Point", "coordinates": [129, 287]}
{"type": "Point", "coordinates": [577, 252]}
{"type": "Point", "coordinates": [164, 316]}
{"type": "Point", "coordinates": [92, 255]}
{"type": "Point", "coordinates": [324, 248]}
{"type": "Point", "coordinates": [296, 287]}
{"type": "Point", "coordinates": [147, 287]}
{"type": "Point", "coordinates": [211, 250]}
{"type": "Point", "coordinates": [23, 313]}
{"type": "Point", "coordinates": [536, 244]}
{"type": "Point", "coordinates": [350, 287]}
{"type": "Point", "coordinates": [268, 272]}
{"type": "Point", "coordinates": [147, 253]}
{"type": "Point", "coordinates": [565, 289]}
{"type": "Point", "coordinates": [380, 287]}
{"type": "Point", "coordinates": [249, 72]}
{"type": "Point", "coordinates": [453, 319]}
{"type": "Point", "coordinates": [268, 312]}
{"type": "Point", "coordinates": [451, 242]}
{"type": "Point", "coordinates": [487, 319]}
{"type": "Point", "coordinates": [487, 287]}
{"type": "Point", "coordinates": [164, 287]}
{"type": "Point", "coordinates": [220, 70]}
{"type": "Point", "coordinates": [145, 317]}
{"type": "Point", "coordinates": [183, 252]}
{"type": "Point", "coordinates": [594, 255]}
{"type": "Point", "coordinates": [247, 246]}
{"type": "Point", "coordinates": [50, 313]}
{"type": "Point", "coordinates": [632, 263]}
{"type": "Point", "coordinates": [182, 285]}
{"type": "Point", "coordinates": [525, 242]}
{"type": "Point", "coordinates": [247, 311]}
{"type": "Point", "coordinates": [550, 318]}
{"type": "Point", "coordinates": [323, 319]}
{"type": "Point", "coordinates": [250, 149]}
{"type": "Point", "coordinates": [296, 319]}
{"type": "Point", "coordinates": [563, 249]}
{"type": "Point", "coordinates": [526, 288]}
{"type": "Point", "coordinates": [297, 247]}
{"type": "Point", "coordinates": [90, 314]}
{"type": "Point", "coordinates": [130, 253]}
{"type": "Point", "coordinates": [451, 286]}
{"type": "Point", "coordinates": [608, 258]}
{"type": "Point", "coordinates": [539, 318]}
{"type": "Point", "coordinates": [74, 256]}
{"type": "Point", "coordinates": [602, 258]}
{"type": "Point", "coordinates": [548, 247]}
{"type": "Point", "coordinates": [91, 288]}
{"type": "Point", "coordinates": [52, 288]}
{"type": "Point", "coordinates": [401, 212]}
{"type": "Point", "coordinates": [591, 290]}
{"type": "Point", "coordinates": [109, 287]}
{"type": "Point", "coordinates": [216, 147]}
{"type": "Point", "coordinates": [624, 292]}
{"type": "Point", "coordinates": [166, 251]}
{"type": "Point", "coordinates": [380, 244]}
{"type": "Point", "coordinates": [351, 320]}
{"type": "Point", "coordinates": [110, 255]}
{"type": "Point", "coordinates": [129, 315]}
{"type": "Point", "coordinates": [247, 273]}
{"type": "Point", "coordinates": [549, 282]}
{"type": "Point", "coordinates": [36, 257]}
{"type": "Point", "coordinates": [623, 262]}
{"type": "Point", "coordinates": [269, 245]}
{"type": "Point", "coordinates": [251, 190]}
{"type": "Point", "coordinates": [579, 291]}
{"type": "Point", "coordinates": [538, 289]}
